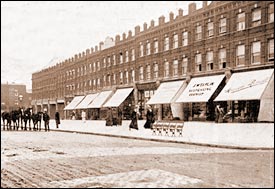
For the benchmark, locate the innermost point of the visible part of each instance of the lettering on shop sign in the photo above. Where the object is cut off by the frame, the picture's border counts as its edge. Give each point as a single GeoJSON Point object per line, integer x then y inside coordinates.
{"type": "Point", "coordinates": [199, 88]}
{"type": "Point", "coordinates": [252, 83]}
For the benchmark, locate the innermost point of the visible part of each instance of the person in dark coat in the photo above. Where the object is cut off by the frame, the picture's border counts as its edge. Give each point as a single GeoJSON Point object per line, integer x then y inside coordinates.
{"type": "Point", "coordinates": [134, 117]}
{"type": "Point", "coordinates": [109, 119]}
{"type": "Point", "coordinates": [119, 116]}
{"type": "Point", "coordinates": [46, 119]}
{"type": "Point", "coordinates": [150, 119]}
{"type": "Point", "coordinates": [57, 119]}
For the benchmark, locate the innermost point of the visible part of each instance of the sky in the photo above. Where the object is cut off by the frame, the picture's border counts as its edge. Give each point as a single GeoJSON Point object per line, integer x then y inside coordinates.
{"type": "Point", "coordinates": [36, 34]}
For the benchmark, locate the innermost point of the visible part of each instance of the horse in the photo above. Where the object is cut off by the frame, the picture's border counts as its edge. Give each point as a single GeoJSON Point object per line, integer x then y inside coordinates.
{"type": "Point", "coordinates": [14, 118]}
{"type": "Point", "coordinates": [27, 117]}
{"type": "Point", "coordinates": [36, 118]}
{"type": "Point", "coordinates": [6, 116]}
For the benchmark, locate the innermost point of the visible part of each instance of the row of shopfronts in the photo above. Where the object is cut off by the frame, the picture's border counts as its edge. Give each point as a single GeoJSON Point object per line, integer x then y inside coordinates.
{"type": "Point", "coordinates": [243, 96]}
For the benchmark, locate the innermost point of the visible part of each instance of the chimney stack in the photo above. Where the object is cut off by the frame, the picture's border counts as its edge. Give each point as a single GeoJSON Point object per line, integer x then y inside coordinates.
{"type": "Point", "coordinates": [87, 51]}
{"type": "Point", "coordinates": [152, 23]}
{"type": "Point", "coordinates": [123, 36]}
{"type": "Point", "coordinates": [180, 12]}
{"type": "Point", "coordinates": [161, 20]}
{"type": "Point", "coordinates": [96, 48]}
{"type": "Point", "coordinates": [129, 33]}
{"type": "Point", "coordinates": [137, 30]}
{"type": "Point", "coordinates": [144, 26]}
{"type": "Point", "coordinates": [92, 50]}
{"type": "Point", "coordinates": [117, 38]}
{"type": "Point", "coordinates": [191, 8]}
{"type": "Point", "coordinates": [171, 16]}
{"type": "Point", "coordinates": [204, 4]}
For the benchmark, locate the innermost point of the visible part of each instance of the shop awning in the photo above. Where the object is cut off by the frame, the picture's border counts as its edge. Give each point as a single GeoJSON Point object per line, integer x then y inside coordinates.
{"type": "Point", "coordinates": [86, 101]}
{"type": "Point", "coordinates": [74, 103]}
{"type": "Point", "coordinates": [200, 89]}
{"type": "Point", "coordinates": [119, 96]}
{"type": "Point", "coordinates": [165, 92]}
{"type": "Point", "coordinates": [246, 85]}
{"type": "Point", "coordinates": [100, 99]}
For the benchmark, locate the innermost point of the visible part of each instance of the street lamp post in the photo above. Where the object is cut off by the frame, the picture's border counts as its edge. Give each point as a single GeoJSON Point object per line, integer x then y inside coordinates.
{"type": "Point", "coordinates": [20, 100]}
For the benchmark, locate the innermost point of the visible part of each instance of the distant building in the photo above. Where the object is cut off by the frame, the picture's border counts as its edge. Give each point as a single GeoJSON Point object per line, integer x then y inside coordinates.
{"type": "Point", "coordinates": [14, 96]}
{"type": "Point", "coordinates": [222, 38]}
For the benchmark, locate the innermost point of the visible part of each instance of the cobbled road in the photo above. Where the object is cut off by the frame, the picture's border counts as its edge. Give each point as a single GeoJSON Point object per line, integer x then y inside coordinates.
{"type": "Point", "coordinates": [57, 160]}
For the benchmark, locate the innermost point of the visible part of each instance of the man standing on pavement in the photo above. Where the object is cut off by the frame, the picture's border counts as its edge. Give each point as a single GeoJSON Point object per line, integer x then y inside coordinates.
{"type": "Point", "coordinates": [83, 115]}
{"type": "Point", "coordinates": [57, 119]}
{"type": "Point", "coordinates": [46, 119]}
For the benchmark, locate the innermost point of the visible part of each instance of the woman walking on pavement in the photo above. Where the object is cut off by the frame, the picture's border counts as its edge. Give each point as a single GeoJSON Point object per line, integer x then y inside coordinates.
{"type": "Point", "coordinates": [149, 118]}
{"type": "Point", "coordinates": [134, 117]}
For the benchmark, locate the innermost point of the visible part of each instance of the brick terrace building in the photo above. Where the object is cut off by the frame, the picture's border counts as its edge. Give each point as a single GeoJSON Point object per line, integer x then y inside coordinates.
{"type": "Point", "coordinates": [14, 96]}
{"type": "Point", "coordinates": [220, 38]}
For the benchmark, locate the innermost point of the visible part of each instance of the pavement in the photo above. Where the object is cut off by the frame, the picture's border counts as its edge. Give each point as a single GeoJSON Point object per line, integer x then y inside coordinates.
{"type": "Point", "coordinates": [225, 135]}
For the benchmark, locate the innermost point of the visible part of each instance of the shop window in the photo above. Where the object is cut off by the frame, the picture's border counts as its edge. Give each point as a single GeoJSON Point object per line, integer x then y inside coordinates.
{"type": "Point", "coordinates": [222, 58]}
{"type": "Point", "coordinates": [166, 112]}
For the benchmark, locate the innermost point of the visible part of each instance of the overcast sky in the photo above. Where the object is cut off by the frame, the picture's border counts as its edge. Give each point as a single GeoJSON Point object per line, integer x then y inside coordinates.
{"type": "Point", "coordinates": [36, 35]}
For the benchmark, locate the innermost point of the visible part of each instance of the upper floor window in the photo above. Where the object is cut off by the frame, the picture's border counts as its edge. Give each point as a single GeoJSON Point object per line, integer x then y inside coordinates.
{"type": "Point", "coordinates": [141, 50]}
{"type": "Point", "coordinates": [90, 67]}
{"type": "Point", "coordinates": [210, 29]}
{"type": "Point", "coordinates": [271, 49]}
{"type": "Point", "coordinates": [126, 56]}
{"type": "Point", "coordinates": [114, 59]}
{"type": "Point", "coordinates": [121, 77]}
{"type": "Point", "coordinates": [198, 32]}
{"type": "Point", "coordinates": [104, 62]}
{"type": "Point", "coordinates": [121, 57]}
{"type": "Point", "coordinates": [241, 21]}
{"type": "Point", "coordinates": [240, 58]}
{"type": "Point", "coordinates": [148, 48]}
{"type": "Point", "coordinates": [109, 79]}
{"type": "Point", "coordinates": [209, 60]}
{"type": "Point", "coordinates": [271, 12]}
{"type": "Point", "coordinates": [98, 66]}
{"type": "Point", "coordinates": [222, 58]}
{"type": "Point", "coordinates": [156, 46]}
{"type": "Point", "coordinates": [114, 78]}
{"type": "Point", "coordinates": [256, 52]}
{"type": "Point", "coordinates": [184, 66]}
{"type": "Point", "coordinates": [133, 75]}
{"type": "Point", "coordinates": [148, 72]}
{"type": "Point", "coordinates": [141, 73]}
{"type": "Point", "coordinates": [109, 61]}
{"type": "Point", "coordinates": [175, 41]}
{"type": "Point", "coordinates": [156, 70]}
{"type": "Point", "coordinates": [256, 17]}
{"type": "Point", "coordinates": [94, 68]}
{"type": "Point", "coordinates": [85, 70]}
{"type": "Point", "coordinates": [166, 69]}
{"type": "Point", "coordinates": [222, 25]}
{"type": "Point", "coordinates": [175, 67]}
{"type": "Point", "coordinates": [126, 77]}
{"type": "Point", "coordinates": [133, 55]}
{"type": "Point", "coordinates": [198, 62]}
{"type": "Point", "coordinates": [166, 43]}
{"type": "Point", "coordinates": [185, 38]}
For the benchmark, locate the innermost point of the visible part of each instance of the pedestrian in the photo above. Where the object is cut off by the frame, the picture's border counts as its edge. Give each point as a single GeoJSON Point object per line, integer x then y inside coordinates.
{"type": "Point", "coordinates": [57, 119]}
{"type": "Point", "coordinates": [83, 115]}
{"type": "Point", "coordinates": [109, 118]}
{"type": "Point", "coordinates": [119, 116]}
{"type": "Point", "coordinates": [150, 119]}
{"type": "Point", "coordinates": [46, 119]}
{"type": "Point", "coordinates": [134, 117]}
{"type": "Point", "coordinates": [219, 114]}
{"type": "Point", "coordinates": [73, 115]}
